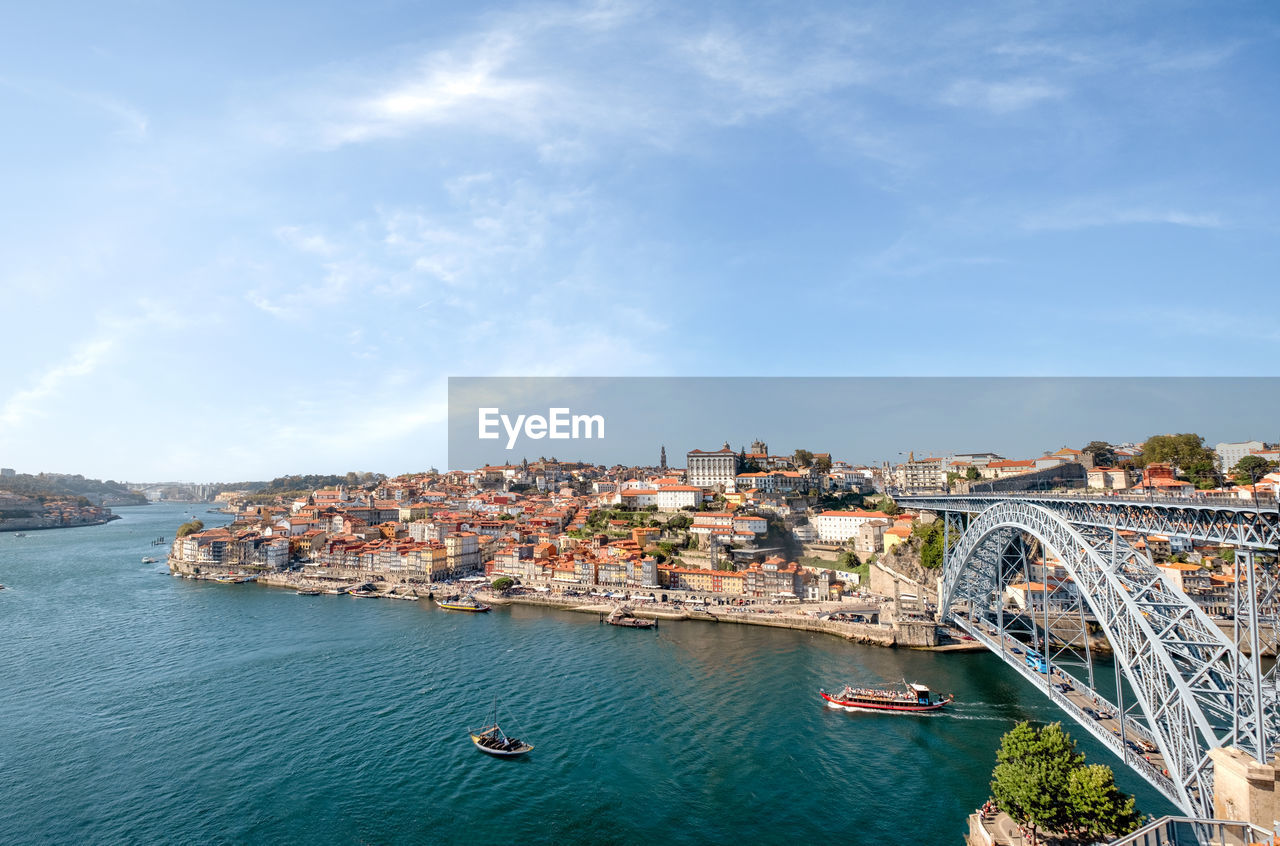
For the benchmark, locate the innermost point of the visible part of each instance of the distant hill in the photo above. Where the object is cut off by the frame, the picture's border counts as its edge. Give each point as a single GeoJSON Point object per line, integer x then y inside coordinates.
{"type": "Point", "coordinates": [44, 486]}
{"type": "Point", "coordinates": [298, 483]}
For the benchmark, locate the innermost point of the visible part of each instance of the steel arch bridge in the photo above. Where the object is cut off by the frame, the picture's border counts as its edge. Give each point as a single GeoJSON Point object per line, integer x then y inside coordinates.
{"type": "Point", "coordinates": [1182, 686]}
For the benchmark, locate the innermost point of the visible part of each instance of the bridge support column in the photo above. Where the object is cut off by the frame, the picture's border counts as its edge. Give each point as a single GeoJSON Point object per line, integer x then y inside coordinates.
{"type": "Point", "coordinates": [1244, 789]}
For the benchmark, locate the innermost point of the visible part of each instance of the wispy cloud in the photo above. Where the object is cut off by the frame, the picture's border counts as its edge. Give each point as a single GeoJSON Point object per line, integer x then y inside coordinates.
{"type": "Point", "coordinates": [1000, 97]}
{"type": "Point", "coordinates": [25, 406]}
{"type": "Point", "coordinates": [131, 121]}
{"type": "Point", "coordinates": [1086, 217]}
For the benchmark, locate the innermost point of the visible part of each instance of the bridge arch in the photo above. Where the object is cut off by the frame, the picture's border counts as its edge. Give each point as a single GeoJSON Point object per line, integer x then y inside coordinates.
{"type": "Point", "coordinates": [1183, 672]}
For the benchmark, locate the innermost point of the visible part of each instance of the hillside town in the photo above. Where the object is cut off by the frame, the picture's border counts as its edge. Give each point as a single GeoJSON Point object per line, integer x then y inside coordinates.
{"type": "Point", "coordinates": [744, 526]}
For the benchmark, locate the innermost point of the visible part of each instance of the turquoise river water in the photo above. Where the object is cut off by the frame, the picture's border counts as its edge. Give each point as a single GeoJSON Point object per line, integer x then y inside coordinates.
{"type": "Point", "coordinates": [140, 708]}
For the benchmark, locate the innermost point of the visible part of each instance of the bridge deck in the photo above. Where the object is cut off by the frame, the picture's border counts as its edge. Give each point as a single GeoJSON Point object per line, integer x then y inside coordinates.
{"type": "Point", "coordinates": [1149, 764]}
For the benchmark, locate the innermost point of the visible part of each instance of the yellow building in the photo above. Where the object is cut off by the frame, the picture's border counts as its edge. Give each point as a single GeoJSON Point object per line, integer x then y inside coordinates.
{"type": "Point", "coordinates": [895, 536]}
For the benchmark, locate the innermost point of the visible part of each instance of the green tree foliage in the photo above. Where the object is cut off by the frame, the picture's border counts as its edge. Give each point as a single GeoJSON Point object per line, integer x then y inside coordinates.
{"type": "Point", "coordinates": [1228, 555]}
{"type": "Point", "coordinates": [822, 463]}
{"type": "Point", "coordinates": [503, 582]}
{"type": "Point", "coordinates": [1249, 467]}
{"type": "Point", "coordinates": [1182, 450]}
{"type": "Point", "coordinates": [190, 528]}
{"type": "Point", "coordinates": [1104, 454]}
{"type": "Point", "coordinates": [972, 474]}
{"type": "Point", "coordinates": [848, 560]}
{"type": "Point", "coordinates": [1203, 474]}
{"type": "Point", "coordinates": [46, 486]}
{"type": "Point", "coordinates": [1097, 809]}
{"type": "Point", "coordinates": [803, 458]}
{"type": "Point", "coordinates": [888, 506]}
{"type": "Point", "coordinates": [931, 538]}
{"type": "Point", "coordinates": [680, 521]}
{"type": "Point", "coordinates": [1032, 771]}
{"type": "Point", "coordinates": [1042, 782]}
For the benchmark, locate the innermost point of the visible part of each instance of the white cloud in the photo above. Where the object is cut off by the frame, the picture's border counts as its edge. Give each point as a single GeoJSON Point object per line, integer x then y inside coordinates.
{"type": "Point", "coordinates": [24, 406]}
{"type": "Point", "coordinates": [1086, 217]}
{"type": "Point", "coordinates": [1000, 97]}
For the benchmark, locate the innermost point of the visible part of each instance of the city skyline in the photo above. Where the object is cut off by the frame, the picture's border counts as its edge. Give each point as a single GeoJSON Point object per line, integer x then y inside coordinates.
{"type": "Point", "coordinates": [244, 242]}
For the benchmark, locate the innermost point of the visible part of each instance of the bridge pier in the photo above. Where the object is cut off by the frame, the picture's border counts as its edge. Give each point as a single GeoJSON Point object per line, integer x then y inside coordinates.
{"type": "Point", "coordinates": [1243, 788]}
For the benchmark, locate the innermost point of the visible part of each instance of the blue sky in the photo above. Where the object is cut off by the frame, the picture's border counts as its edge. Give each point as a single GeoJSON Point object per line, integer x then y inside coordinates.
{"type": "Point", "coordinates": [242, 240]}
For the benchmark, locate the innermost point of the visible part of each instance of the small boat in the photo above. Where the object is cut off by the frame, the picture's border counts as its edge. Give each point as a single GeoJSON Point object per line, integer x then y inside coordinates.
{"type": "Point", "coordinates": [911, 697]}
{"type": "Point", "coordinates": [19, 534]}
{"type": "Point", "coordinates": [623, 617]}
{"type": "Point", "coordinates": [464, 603]}
{"type": "Point", "coordinates": [494, 741]}
{"type": "Point", "coordinates": [362, 594]}
{"type": "Point", "coordinates": [147, 559]}
{"type": "Point", "coordinates": [338, 591]}
{"type": "Point", "coordinates": [308, 591]}
{"type": "Point", "coordinates": [411, 597]}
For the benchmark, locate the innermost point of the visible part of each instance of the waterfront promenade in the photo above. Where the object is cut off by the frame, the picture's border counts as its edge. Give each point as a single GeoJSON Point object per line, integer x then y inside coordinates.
{"type": "Point", "coordinates": [808, 616]}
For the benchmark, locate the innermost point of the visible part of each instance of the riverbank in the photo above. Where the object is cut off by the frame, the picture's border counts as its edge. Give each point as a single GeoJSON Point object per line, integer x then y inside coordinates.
{"type": "Point", "coordinates": [915, 634]}
{"type": "Point", "coordinates": [36, 524]}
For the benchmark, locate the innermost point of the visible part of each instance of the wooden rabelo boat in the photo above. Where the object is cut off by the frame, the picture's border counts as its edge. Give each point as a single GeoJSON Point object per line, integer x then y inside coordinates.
{"type": "Point", "coordinates": [493, 740]}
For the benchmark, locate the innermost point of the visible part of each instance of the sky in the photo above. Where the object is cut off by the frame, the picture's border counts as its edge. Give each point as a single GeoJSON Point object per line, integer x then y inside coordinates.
{"type": "Point", "coordinates": [243, 240]}
{"type": "Point", "coordinates": [862, 420]}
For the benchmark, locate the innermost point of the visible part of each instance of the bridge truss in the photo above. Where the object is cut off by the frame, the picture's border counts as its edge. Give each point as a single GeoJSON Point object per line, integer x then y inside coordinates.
{"type": "Point", "coordinates": [1178, 685]}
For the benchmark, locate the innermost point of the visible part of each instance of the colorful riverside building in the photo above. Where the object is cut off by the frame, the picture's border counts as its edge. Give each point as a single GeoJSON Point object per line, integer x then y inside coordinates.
{"type": "Point", "coordinates": [697, 579]}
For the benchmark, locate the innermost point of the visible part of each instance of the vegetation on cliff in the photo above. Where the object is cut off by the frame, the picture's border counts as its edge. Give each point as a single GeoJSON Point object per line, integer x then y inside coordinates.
{"type": "Point", "coordinates": [44, 487]}
{"type": "Point", "coordinates": [190, 528]}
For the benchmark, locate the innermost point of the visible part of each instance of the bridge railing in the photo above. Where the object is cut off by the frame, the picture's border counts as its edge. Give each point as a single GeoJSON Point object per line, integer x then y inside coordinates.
{"type": "Point", "coordinates": [1254, 502]}
{"type": "Point", "coordinates": [1152, 774]}
{"type": "Point", "coordinates": [1188, 831]}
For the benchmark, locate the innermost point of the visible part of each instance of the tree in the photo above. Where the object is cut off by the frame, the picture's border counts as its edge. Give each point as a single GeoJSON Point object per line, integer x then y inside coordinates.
{"type": "Point", "coordinates": [503, 582]}
{"type": "Point", "coordinates": [680, 521]}
{"type": "Point", "coordinates": [930, 544]}
{"type": "Point", "coordinates": [1104, 455]}
{"type": "Point", "coordinates": [972, 474]}
{"type": "Point", "coordinates": [1203, 474]}
{"type": "Point", "coordinates": [803, 458]}
{"type": "Point", "coordinates": [190, 528]}
{"type": "Point", "coordinates": [1228, 555]}
{"type": "Point", "coordinates": [888, 506]}
{"type": "Point", "coordinates": [1182, 451]}
{"type": "Point", "coordinates": [1042, 782]}
{"type": "Point", "coordinates": [1097, 808]}
{"type": "Point", "coordinates": [822, 464]}
{"type": "Point", "coordinates": [1032, 771]}
{"type": "Point", "coordinates": [1251, 467]}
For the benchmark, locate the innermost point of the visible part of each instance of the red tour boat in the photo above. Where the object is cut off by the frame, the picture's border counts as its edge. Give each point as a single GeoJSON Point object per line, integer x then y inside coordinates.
{"type": "Point", "coordinates": [912, 697]}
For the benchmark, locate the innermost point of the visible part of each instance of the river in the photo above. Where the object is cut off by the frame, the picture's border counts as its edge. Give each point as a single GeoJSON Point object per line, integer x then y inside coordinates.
{"type": "Point", "coordinates": [137, 707]}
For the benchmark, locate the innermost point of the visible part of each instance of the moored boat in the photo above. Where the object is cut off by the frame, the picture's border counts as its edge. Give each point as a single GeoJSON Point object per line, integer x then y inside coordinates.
{"type": "Point", "coordinates": [309, 591]}
{"type": "Point", "coordinates": [147, 559]}
{"type": "Point", "coordinates": [623, 617]}
{"type": "Point", "coordinates": [910, 697]}
{"type": "Point", "coordinates": [462, 603]}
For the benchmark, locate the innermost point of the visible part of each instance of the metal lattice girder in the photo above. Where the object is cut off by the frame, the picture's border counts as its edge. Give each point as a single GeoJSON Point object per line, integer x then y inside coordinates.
{"type": "Point", "coordinates": [1250, 524]}
{"type": "Point", "coordinates": [1193, 688]}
